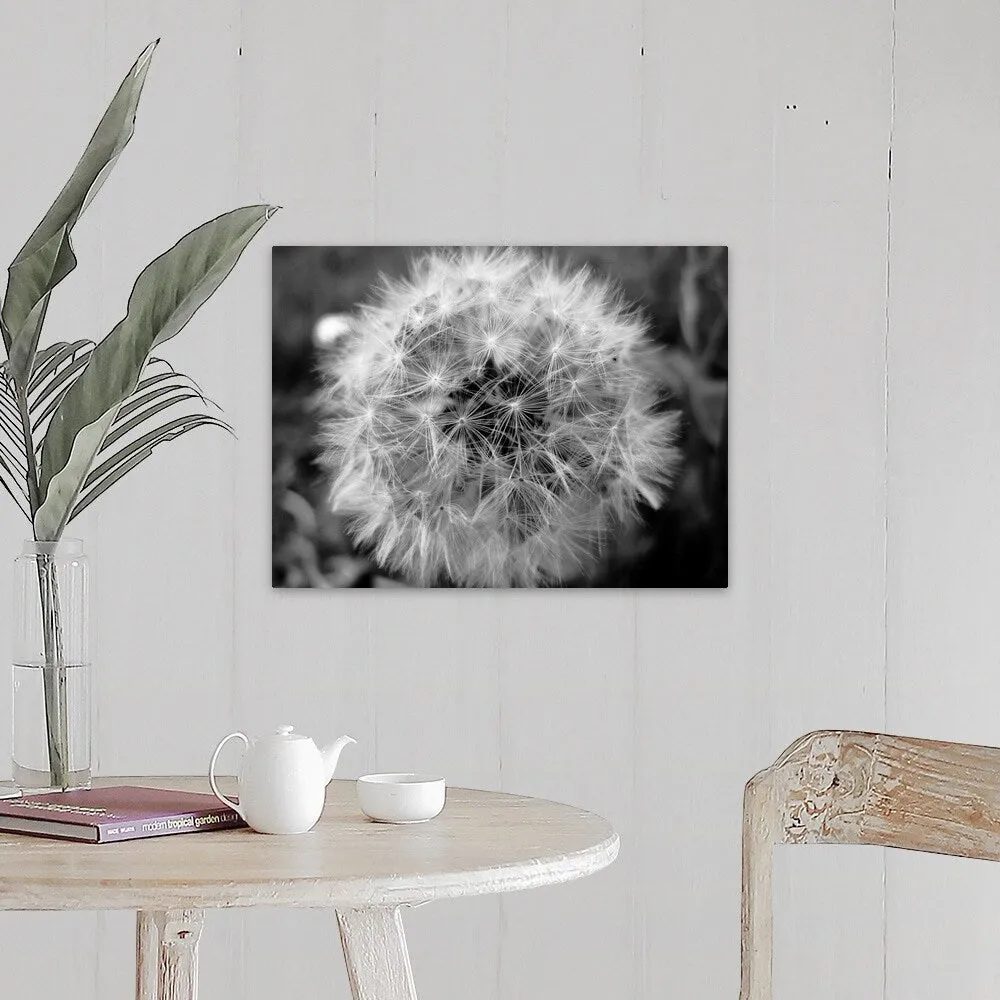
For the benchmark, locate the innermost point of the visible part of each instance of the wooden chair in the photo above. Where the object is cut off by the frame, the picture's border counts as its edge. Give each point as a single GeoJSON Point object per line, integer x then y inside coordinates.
{"type": "Point", "coordinates": [836, 787]}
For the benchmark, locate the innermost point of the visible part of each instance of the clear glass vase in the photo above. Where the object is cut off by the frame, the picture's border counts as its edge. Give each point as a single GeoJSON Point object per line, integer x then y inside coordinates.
{"type": "Point", "coordinates": [50, 722]}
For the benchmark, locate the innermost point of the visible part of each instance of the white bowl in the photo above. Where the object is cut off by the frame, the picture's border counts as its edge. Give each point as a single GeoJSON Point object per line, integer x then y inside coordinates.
{"type": "Point", "coordinates": [400, 798]}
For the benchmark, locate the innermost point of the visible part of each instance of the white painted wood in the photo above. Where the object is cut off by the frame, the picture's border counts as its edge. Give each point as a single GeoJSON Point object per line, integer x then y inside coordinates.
{"type": "Point", "coordinates": [26, 944]}
{"type": "Point", "coordinates": [147, 955]}
{"type": "Point", "coordinates": [797, 641]}
{"type": "Point", "coordinates": [378, 964]}
{"type": "Point", "coordinates": [757, 905]}
{"type": "Point", "coordinates": [582, 747]}
{"type": "Point", "coordinates": [944, 467]}
{"type": "Point", "coordinates": [179, 932]}
{"type": "Point", "coordinates": [826, 450]}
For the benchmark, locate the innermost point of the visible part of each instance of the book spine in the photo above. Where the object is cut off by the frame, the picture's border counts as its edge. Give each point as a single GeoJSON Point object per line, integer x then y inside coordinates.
{"type": "Point", "coordinates": [161, 826]}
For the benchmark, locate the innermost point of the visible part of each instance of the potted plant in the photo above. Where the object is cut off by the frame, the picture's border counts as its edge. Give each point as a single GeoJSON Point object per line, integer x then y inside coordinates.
{"type": "Point", "coordinates": [75, 417]}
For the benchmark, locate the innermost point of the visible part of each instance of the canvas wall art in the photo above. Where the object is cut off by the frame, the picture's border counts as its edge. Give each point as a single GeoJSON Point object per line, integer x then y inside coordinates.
{"type": "Point", "coordinates": [499, 417]}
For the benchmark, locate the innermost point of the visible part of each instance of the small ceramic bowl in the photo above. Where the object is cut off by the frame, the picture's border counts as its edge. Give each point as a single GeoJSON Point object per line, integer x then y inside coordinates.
{"type": "Point", "coordinates": [400, 798]}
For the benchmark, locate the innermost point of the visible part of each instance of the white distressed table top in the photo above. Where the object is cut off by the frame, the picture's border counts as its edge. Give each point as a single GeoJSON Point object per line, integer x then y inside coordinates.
{"type": "Point", "coordinates": [483, 842]}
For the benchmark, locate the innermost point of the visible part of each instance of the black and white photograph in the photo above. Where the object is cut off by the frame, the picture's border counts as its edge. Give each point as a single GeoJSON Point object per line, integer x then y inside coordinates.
{"type": "Point", "coordinates": [499, 416]}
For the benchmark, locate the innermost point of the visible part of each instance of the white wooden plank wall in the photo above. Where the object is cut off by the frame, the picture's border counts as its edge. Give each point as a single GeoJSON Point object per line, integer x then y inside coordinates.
{"type": "Point", "coordinates": [944, 476]}
{"type": "Point", "coordinates": [764, 125]}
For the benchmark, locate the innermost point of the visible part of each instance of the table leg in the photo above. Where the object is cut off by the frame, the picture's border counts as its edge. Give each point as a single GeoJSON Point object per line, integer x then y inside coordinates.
{"type": "Point", "coordinates": [378, 965]}
{"type": "Point", "coordinates": [147, 953]}
{"type": "Point", "coordinates": [167, 954]}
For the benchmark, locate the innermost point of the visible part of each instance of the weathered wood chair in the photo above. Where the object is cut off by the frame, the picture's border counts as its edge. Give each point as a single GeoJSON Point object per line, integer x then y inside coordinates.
{"type": "Point", "coordinates": [861, 788]}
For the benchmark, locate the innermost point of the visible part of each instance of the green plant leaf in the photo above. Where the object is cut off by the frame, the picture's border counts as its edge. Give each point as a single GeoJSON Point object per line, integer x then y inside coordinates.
{"type": "Point", "coordinates": [42, 357]}
{"type": "Point", "coordinates": [47, 361]}
{"type": "Point", "coordinates": [52, 374]}
{"type": "Point", "coordinates": [154, 386]}
{"type": "Point", "coordinates": [143, 395]}
{"type": "Point", "coordinates": [48, 255]}
{"type": "Point", "coordinates": [152, 395]}
{"type": "Point", "coordinates": [64, 487]}
{"type": "Point", "coordinates": [165, 296]}
{"type": "Point", "coordinates": [136, 452]}
{"type": "Point", "coordinates": [13, 450]}
{"type": "Point", "coordinates": [169, 373]}
{"type": "Point", "coordinates": [120, 428]}
{"type": "Point", "coordinates": [13, 468]}
{"type": "Point", "coordinates": [13, 463]}
{"type": "Point", "coordinates": [10, 417]}
{"type": "Point", "coordinates": [10, 435]}
{"type": "Point", "coordinates": [11, 483]}
{"type": "Point", "coordinates": [52, 392]}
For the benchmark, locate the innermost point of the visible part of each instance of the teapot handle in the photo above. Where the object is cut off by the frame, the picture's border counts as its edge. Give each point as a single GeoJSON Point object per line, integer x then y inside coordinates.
{"type": "Point", "coordinates": [232, 804]}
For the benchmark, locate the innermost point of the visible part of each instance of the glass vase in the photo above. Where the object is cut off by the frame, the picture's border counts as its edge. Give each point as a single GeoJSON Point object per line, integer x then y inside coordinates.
{"type": "Point", "coordinates": [50, 722]}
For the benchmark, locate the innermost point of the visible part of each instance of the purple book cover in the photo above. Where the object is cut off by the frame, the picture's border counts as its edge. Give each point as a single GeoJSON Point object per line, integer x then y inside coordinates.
{"type": "Point", "coordinates": [120, 812]}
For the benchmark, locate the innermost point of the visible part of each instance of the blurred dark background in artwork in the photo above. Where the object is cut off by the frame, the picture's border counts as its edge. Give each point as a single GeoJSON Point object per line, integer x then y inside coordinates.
{"type": "Point", "coordinates": [683, 291]}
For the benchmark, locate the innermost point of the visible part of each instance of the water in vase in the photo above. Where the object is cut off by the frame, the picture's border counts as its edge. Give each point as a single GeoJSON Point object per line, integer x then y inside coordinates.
{"type": "Point", "coordinates": [30, 748]}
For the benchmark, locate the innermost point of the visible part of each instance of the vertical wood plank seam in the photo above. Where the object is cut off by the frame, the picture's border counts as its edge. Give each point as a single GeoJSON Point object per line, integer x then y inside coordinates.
{"type": "Point", "coordinates": [885, 465]}
{"type": "Point", "coordinates": [237, 922]}
{"type": "Point", "coordinates": [635, 909]}
{"type": "Point", "coordinates": [640, 978]}
{"type": "Point", "coordinates": [504, 231]}
{"type": "Point", "coordinates": [95, 691]}
{"type": "Point", "coordinates": [501, 912]}
{"type": "Point", "coordinates": [95, 679]}
{"type": "Point", "coordinates": [376, 95]}
{"type": "Point", "coordinates": [501, 907]}
{"type": "Point", "coordinates": [234, 695]}
{"type": "Point", "coordinates": [642, 105]}
{"type": "Point", "coordinates": [375, 23]}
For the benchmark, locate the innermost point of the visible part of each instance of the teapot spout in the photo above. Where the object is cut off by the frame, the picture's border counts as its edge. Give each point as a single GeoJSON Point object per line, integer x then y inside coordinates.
{"type": "Point", "coordinates": [331, 754]}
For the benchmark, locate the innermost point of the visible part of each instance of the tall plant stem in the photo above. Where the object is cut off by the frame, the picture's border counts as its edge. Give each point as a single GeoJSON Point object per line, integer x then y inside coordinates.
{"type": "Point", "coordinates": [54, 679]}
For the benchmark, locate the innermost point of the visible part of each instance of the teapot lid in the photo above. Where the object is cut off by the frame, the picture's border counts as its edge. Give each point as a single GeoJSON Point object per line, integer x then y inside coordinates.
{"type": "Point", "coordinates": [285, 734]}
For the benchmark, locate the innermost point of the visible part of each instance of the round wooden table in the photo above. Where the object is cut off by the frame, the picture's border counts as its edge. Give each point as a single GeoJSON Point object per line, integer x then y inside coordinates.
{"type": "Point", "coordinates": [483, 842]}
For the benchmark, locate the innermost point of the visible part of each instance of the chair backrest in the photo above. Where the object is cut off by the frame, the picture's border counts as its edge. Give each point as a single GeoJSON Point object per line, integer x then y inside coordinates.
{"type": "Point", "coordinates": [834, 787]}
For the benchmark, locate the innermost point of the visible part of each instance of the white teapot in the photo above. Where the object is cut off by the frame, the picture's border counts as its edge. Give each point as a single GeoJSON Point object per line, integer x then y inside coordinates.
{"type": "Point", "coordinates": [283, 779]}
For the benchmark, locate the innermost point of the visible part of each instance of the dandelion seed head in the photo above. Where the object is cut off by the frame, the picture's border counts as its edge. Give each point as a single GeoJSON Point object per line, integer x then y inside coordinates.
{"type": "Point", "coordinates": [493, 421]}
